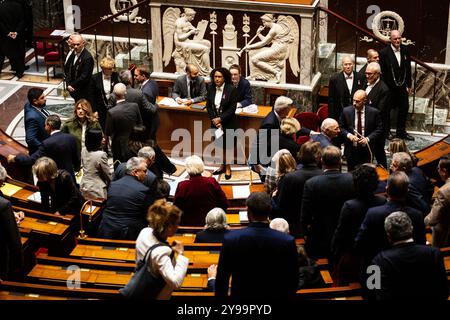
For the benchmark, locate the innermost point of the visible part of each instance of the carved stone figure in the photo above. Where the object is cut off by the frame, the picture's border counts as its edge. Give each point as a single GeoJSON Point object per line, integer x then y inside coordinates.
{"type": "Point", "coordinates": [268, 63]}
{"type": "Point", "coordinates": [178, 29]}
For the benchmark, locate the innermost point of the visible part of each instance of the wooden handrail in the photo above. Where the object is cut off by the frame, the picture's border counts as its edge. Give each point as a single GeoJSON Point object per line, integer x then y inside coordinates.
{"type": "Point", "coordinates": [370, 34]}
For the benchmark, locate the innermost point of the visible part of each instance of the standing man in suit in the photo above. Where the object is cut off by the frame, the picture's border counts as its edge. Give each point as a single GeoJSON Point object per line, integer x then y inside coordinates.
{"type": "Point", "coordinates": [439, 217]}
{"type": "Point", "coordinates": [59, 146]}
{"type": "Point", "coordinates": [102, 85]}
{"type": "Point", "coordinates": [395, 64]}
{"type": "Point", "coordinates": [323, 197]}
{"type": "Point", "coordinates": [128, 201]}
{"type": "Point", "coordinates": [120, 121]}
{"type": "Point", "coordinates": [242, 86]}
{"type": "Point", "coordinates": [189, 88]}
{"type": "Point", "coordinates": [221, 107]}
{"type": "Point", "coordinates": [150, 91]}
{"type": "Point", "coordinates": [342, 87]}
{"type": "Point", "coordinates": [409, 271]}
{"type": "Point", "coordinates": [12, 36]}
{"type": "Point", "coordinates": [362, 127]}
{"type": "Point", "coordinates": [372, 56]}
{"type": "Point", "coordinates": [78, 69]}
{"type": "Point", "coordinates": [35, 115]}
{"type": "Point", "coordinates": [261, 262]}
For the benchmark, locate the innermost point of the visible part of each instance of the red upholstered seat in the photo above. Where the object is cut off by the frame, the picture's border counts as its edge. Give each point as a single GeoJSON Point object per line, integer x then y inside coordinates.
{"type": "Point", "coordinates": [308, 120]}
{"type": "Point", "coordinates": [51, 56]}
{"type": "Point", "coordinates": [42, 49]}
{"type": "Point", "coordinates": [322, 112]}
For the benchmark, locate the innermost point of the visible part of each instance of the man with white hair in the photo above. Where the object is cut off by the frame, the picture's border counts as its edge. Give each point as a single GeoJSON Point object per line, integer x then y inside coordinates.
{"type": "Point", "coordinates": [395, 63]}
{"type": "Point", "coordinates": [372, 56]}
{"type": "Point", "coordinates": [342, 87]}
{"type": "Point", "coordinates": [279, 224]}
{"type": "Point", "coordinates": [128, 201]}
{"type": "Point", "coordinates": [409, 270]}
{"type": "Point", "coordinates": [78, 69]}
{"type": "Point", "coordinates": [329, 130]}
{"type": "Point", "coordinates": [120, 121]}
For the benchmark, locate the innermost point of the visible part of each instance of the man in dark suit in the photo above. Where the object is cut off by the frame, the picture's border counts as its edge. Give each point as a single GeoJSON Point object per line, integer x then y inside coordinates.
{"type": "Point", "coordinates": [189, 88]}
{"type": "Point", "coordinates": [12, 36]}
{"type": "Point", "coordinates": [395, 64]}
{"type": "Point", "coordinates": [150, 91]}
{"type": "Point", "coordinates": [341, 88]}
{"type": "Point", "coordinates": [371, 238]}
{"type": "Point", "coordinates": [242, 86]}
{"type": "Point", "coordinates": [120, 121]}
{"type": "Point", "coordinates": [78, 69]}
{"type": "Point", "coordinates": [372, 56]}
{"type": "Point", "coordinates": [330, 133]}
{"type": "Point", "coordinates": [408, 270]}
{"type": "Point", "coordinates": [290, 188]}
{"type": "Point", "coordinates": [261, 262]}
{"type": "Point", "coordinates": [128, 200]}
{"type": "Point", "coordinates": [11, 253]}
{"type": "Point", "coordinates": [102, 85]}
{"type": "Point", "coordinates": [362, 127]}
{"type": "Point", "coordinates": [59, 146]}
{"type": "Point", "coordinates": [323, 197]}
{"type": "Point", "coordinates": [35, 115]}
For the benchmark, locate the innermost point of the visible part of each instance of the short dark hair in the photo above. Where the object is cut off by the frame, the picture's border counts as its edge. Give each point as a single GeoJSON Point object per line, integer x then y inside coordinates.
{"type": "Point", "coordinates": [225, 72]}
{"type": "Point", "coordinates": [53, 121]}
{"type": "Point", "coordinates": [444, 163]}
{"type": "Point", "coordinates": [310, 152]}
{"type": "Point", "coordinates": [144, 71]}
{"type": "Point", "coordinates": [235, 66]}
{"type": "Point", "coordinates": [162, 190]}
{"type": "Point", "coordinates": [365, 180]}
{"type": "Point", "coordinates": [331, 156]}
{"type": "Point", "coordinates": [259, 204]}
{"type": "Point", "coordinates": [397, 185]}
{"type": "Point", "coordinates": [34, 94]}
{"type": "Point", "coordinates": [138, 133]}
{"type": "Point", "coordinates": [93, 139]}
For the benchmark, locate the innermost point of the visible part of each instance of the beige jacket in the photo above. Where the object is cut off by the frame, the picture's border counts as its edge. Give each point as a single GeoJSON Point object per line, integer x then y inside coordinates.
{"type": "Point", "coordinates": [439, 217]}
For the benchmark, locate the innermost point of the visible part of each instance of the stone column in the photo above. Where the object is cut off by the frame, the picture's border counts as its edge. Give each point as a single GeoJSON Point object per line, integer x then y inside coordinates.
{"type": "Point", "coordinates": [323, 26]}
{"type": "Point", "coordinates": [68, 16]}
{"type": "Point", "coordinates": [306, 48]}
{"type": "Point", "coordinates": [157, 43]}
{"type": "Point", "coordinates": [447, 55]}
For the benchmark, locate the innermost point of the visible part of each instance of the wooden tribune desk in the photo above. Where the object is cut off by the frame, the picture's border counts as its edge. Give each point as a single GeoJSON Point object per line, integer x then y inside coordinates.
{"type": "Point", "coordinates": [173, 118]}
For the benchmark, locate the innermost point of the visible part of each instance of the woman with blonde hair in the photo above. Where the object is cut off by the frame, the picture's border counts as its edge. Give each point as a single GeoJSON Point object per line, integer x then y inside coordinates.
{"type": "Point", "coordinates": [399, 145]}
{"type": "Point", "coordinates": [82, 120]}
{"type": "Point", "coordinates": [288, 128]}
{"type": "Point", "coordinates": [152, 247]}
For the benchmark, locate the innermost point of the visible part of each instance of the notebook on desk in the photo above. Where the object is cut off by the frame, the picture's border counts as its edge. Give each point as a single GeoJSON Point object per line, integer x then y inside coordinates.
{"type": "Point", "coordinates": [198, 106]}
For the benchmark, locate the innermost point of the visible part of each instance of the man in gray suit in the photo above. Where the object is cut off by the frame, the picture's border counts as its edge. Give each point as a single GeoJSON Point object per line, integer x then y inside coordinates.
{"type": "Point", "coordinates": [189, 88]}
{"type": "Point", "coordinates": [120, 121]}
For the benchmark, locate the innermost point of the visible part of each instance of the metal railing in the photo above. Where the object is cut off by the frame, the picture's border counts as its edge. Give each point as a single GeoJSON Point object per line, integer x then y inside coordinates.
{"type": "Point", "coordinates": [361, 31]}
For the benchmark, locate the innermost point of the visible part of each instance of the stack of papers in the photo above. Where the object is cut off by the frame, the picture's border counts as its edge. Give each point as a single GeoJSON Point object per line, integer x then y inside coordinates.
{"type": "Point", "coordinates": [169, 102]}
{"type": "Point", "coordinates": [241, 192]}
{"type": "Point", "coordinates": [9, 189]}
{"type": "Point", "coordinates": [243, 217]}
{"type": "Point", "coordinates": [253, 108]}
{"type": "Point", "coordinates": [36, 197]}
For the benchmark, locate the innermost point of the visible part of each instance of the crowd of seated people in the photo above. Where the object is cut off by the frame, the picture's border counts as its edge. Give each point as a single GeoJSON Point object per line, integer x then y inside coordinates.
{"type": "Point", "coordinates": [343, 215]}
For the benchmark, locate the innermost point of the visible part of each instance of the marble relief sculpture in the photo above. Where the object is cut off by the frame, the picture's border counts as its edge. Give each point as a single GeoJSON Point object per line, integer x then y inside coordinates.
{"type": "Point", "coordinates": [178, 30]}
{"type": "Point", "coordinates": [268, 63]}
{"type": "Point", "coordinates": [229, 48]}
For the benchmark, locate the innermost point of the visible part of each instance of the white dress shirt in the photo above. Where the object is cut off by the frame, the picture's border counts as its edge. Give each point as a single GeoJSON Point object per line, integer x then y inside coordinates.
{"type": "Point", "coordinates": [349, 80]}
{"type": "Point", "coordinates": [370, 86]}
{"type": "Point", "coordinates": [363, 120]}
{"type": "Point", "coordinates": [106, 85]}
{"type": "Point", "coordinates": [173, 272]}
{"type": "Point", "coordinates": [397, 54]}
{"type": "Point", "coordinates": [218, 97]}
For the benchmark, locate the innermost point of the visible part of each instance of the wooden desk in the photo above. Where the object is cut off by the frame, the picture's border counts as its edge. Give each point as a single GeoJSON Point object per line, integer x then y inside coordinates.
{"type": "Point", "coordinates": [173, 118]}
{"type": "Point", "coordinates": [10, 146]}
{"type": "Point", "coordinates": [44, 36]}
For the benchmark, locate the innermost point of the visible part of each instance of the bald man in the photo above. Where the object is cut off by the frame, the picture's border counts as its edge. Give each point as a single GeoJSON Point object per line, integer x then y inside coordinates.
{"type": "Point", "coordinates": [372, 56]}
{"type": "Point", "coordinates": [189, 88]}
{"type": "Point", "coordinates": [78, 69]}
{"type": "Point", "coordinates": [362, 127]}
{"type": "Point", "coordinates": [342, 86]}
{"type": "Point", "coordinates": [395, 63]}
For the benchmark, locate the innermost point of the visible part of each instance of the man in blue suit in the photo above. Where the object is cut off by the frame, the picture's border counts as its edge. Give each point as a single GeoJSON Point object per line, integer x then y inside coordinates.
{"type": "Point", "coordinates": [60, 146]}
{"type": "Point", "coordinates": [35, 115]}
{"type": "Point", "coordinates": [242, 86]}
{"type": "Point", "coordinates": [150, 90]}
{"type": "Point", "coordinates": [262, 262]}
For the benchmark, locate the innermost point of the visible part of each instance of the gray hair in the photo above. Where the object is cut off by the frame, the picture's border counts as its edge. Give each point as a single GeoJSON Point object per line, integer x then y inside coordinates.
{"type": "Point", "coordinates": [403, 160]}
{"type": "Point", "coordinates": [375, 66]}
{"type": "Point", "coordinates": [216, 219]}
{"type": "Point", "coordinates": [194, 165]}
{"type": "Point", "coordinates": [398, 226]}
{"type": "Point", "coordinates": [125, 77]}
{"type": "Point", "coordinates": [134, 163]}
{"type": "Point", "coordinates": [282, 103]}
{"type": "Point", "coordinates": [146, 153]}
{"type": "Point", "coordinates": [347, 57]}
{"type": "Point", "coordinates": [2, 173]}
{"type": "Point", "coordinates": [120, 90]}
{"type": "Point", "coordinates": [328, 122]}
{"type": "Point", "coordinates": [279, 224]}
{"type": "Point", "coordinates": [397, 185]}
